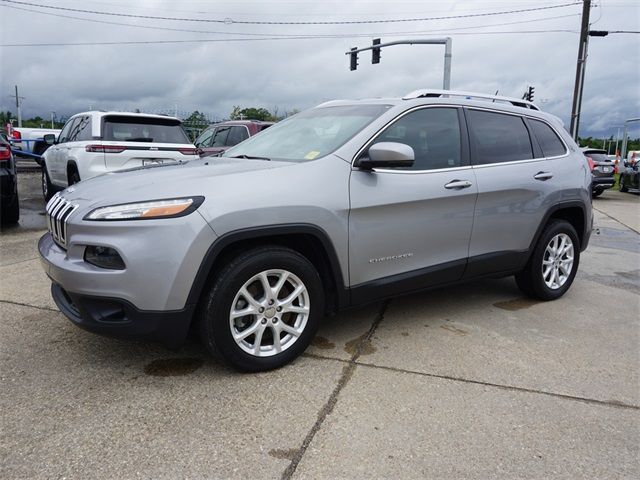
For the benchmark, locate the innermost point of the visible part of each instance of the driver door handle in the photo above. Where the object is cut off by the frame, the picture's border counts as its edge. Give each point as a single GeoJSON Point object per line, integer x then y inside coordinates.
{"type": "Point", "coordinates": [458, 184]}
{"type": "Point", "coordinates": [543, 176]}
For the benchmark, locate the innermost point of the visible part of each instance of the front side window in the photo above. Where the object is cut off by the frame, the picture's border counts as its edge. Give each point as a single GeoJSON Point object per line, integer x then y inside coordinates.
{"type": "Point", "coordinates": [66, 130]}
{"type": "Point", "coordinates": [434, 135]}
{"type": "Point", "coordinates": [311, 134]}
{"type": "Point", "coordinates": [498, 137]}
{"type": "Point", "coordinates": [121, 128]}
{"type": "Point", "coordinates": [204, 140]}
{"type": "Point", "coordinates": [548, 140]}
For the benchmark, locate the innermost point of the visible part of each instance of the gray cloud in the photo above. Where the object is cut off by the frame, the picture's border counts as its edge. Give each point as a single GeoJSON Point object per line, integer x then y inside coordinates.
{"type": "Point", "coordinates": [212, 77]}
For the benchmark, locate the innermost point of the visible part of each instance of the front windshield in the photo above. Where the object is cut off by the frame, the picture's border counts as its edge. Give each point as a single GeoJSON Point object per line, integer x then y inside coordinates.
{"type": "Point", "coordinates": [310, 134]}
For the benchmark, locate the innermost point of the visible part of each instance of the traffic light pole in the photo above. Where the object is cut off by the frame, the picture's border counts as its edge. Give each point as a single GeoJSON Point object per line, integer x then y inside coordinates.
{"type": "Point", "coordinates": [446, 82]}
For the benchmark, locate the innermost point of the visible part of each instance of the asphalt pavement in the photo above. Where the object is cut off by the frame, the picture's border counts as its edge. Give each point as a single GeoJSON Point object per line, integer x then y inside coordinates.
{"type": "Point", "coordinates": [470, 381]}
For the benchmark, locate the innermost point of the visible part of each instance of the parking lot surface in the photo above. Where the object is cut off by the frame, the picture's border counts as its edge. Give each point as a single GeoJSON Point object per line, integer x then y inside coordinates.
{"type": "Point", "coordinates": [471, 381]}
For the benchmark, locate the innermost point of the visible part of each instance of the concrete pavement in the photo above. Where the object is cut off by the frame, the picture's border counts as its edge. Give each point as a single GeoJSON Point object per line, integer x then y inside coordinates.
{"type": "Point", "coordinates": [471, 381]}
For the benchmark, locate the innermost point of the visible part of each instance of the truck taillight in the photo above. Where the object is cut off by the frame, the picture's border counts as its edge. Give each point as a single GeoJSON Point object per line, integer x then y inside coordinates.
{"type": "Point", "coordinates": [105, 148]}
{"type": "Point", "coordinates": [188, 151]}
{"type": "Point", "coordinates": [5, 153]}
{"type": "Point", "coordinates": [16, 134]}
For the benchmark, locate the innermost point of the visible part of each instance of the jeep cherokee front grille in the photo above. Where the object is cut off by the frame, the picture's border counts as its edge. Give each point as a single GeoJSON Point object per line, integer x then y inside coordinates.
{"type": "Point", "coordinates": [58, 212]}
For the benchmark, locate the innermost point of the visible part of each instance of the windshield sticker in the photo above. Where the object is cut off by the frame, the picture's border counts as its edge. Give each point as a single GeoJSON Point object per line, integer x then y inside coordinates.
{"type": "Point", "coordinates": [311, 155]}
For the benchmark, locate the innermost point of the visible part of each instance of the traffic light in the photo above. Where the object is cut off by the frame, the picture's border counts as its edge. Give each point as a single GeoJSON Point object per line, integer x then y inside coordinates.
{"type": "Point", "coordinates": [375, 52]}
{"type": "Point", "coordinates": [354, 58]}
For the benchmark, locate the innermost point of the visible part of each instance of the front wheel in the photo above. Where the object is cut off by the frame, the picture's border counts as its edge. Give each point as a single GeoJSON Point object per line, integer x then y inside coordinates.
{"type": "Point", "coordinates": [262, 309]}
{"type": "Point", "coordinates": [553, 263]}
{"type": "Point", "coordinates": [47, 187]}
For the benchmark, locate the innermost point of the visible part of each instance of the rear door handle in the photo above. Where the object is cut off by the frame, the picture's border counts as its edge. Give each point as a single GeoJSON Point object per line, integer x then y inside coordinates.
{"type": "Point", "coordinates": [458, 184]}
{"type": "Point", "coordinates": [543, 176]}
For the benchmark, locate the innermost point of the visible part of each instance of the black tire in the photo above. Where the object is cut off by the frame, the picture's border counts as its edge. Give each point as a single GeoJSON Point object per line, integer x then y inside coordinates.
{"type": "Point", "coordinates": [213, 315]}
{"type": "Point", "coordinates": [531, 280]}
{"type": "Point", "coordinates": [48, 189]}
{"type": "Point", "coordinates": [74, 176]}
{"type": "Point", "coordinates": [10, 213]}
{"type": "Point", "coordinates": [597, 193]}
{"type": "Point", "coordinates": [622, 187]}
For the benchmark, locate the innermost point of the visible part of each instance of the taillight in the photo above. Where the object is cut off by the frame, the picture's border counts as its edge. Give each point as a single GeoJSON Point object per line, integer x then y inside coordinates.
{"type": "Point", "coordinates": [188, 151]}
{"type": "Point", "coordinates": [105, 148]}
{"type": "Point", "coordinates": [16, 135]}
{"type": "Point", "coordinates": [5, 153]}
{"type": "Point", "coordinates": [592, 165]}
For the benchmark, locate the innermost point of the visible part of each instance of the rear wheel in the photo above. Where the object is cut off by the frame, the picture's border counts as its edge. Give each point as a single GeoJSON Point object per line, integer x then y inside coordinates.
{"type": "Point", "coordinates": [262, 309]}
{"type": "Point", "coordinates": [74, 176]}
{"type": "Point", "coordinates": [623, 188]}
{"type": "Point", "coordinates": [597, 193]}
{"type": "Point", "coordinates": [553, 264]}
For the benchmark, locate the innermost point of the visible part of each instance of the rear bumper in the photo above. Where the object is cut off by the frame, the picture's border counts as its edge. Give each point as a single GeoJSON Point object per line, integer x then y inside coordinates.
{"type": "Point", "coordinates": [119, 318]}
{"type": "Point", "coordinates": [602, 183]}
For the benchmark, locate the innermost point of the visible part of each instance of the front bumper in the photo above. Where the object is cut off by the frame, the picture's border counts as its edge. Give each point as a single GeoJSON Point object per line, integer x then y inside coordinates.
{"type": "Point", "coordinates": [119, 318]}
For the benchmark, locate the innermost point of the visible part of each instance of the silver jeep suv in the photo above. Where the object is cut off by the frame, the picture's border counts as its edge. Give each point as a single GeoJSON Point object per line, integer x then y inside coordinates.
{"type": "Point", "coordinates": [343, 204]}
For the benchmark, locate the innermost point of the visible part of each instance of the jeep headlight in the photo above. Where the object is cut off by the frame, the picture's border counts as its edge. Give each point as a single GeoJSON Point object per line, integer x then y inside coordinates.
{"type": "Point", "coordinates": [152, 209]}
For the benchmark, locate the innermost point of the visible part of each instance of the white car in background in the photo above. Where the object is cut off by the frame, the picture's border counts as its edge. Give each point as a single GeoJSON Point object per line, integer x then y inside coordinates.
{"type": "Point", "coordinates": [93, 143]}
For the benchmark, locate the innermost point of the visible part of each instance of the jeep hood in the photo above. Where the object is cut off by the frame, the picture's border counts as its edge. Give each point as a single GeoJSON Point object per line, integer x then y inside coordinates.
{"type": "Point", "coordinates": [197, 177]}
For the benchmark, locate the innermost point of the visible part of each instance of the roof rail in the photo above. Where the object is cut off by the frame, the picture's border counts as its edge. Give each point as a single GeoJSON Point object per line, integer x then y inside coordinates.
{"type": "Point", "coordinates": [426, 93]}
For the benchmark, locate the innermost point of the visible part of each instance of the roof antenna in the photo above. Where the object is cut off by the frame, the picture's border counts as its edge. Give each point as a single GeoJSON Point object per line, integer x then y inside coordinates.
{"type": "Point", "coordinates": [495, 95]}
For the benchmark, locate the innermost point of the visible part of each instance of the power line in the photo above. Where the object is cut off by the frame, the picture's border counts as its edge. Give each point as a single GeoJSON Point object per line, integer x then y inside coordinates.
{"type": "Point", "coordinates": [337, 35]}
{"type": "Point", "coordinates": [215, 40]}
{"type": "Point", "coordinates": [230, 21]}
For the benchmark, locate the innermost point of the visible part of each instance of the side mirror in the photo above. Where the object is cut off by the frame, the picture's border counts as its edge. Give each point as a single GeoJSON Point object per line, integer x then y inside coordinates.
{"type": "Point", "coordinates": [49, 138]}
{"type": "Point", "coordinates": [387, 155]}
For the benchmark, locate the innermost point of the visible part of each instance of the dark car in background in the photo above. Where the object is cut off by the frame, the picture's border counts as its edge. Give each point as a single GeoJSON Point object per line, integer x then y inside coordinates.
{"type": "Point", "coordinates": [221, 136]}
{"type": "Point", "coordinates": [9, 207]}
{"type": "Point", "coordinates": [602, 170]}
{"type": "Point", "coordinates": [629, 176]}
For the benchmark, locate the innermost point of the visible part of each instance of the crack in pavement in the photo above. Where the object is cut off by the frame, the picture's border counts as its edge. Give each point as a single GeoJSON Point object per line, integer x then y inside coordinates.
{"type": "Point", "coordinates": [18, 262]}
{"type": "Point", "coordinates": [347, 373]}
{"type": "Point", "coordinates": [11, 302]}
{"type": "Point", "coordinates": [607, 403]}
{"type": "Point", "coordinates": [615, 220]}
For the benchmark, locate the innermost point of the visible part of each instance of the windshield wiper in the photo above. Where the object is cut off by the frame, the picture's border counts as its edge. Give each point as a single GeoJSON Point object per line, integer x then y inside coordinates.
{"type": "Point", "coordinates": [249, 157]}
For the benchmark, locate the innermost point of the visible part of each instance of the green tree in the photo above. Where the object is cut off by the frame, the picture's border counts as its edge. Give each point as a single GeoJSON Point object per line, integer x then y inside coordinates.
{"type": "Point", "coordinates": [251, 113]}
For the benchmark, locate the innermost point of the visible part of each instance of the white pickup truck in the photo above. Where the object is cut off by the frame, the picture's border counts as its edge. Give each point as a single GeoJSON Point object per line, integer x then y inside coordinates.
{"type": "Point", "coordinates": [30, 140]}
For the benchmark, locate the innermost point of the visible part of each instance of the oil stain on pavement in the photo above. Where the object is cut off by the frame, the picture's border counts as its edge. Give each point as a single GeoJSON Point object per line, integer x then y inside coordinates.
{"type": "Point", "coordinates": [323, 343]}
{"type": "Point", "coordinates": [516, 304]}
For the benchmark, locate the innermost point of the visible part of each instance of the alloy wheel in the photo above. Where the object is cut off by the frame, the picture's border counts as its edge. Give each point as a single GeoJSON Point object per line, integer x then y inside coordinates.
{"type": "Point", "coordinates": [557, 261]}
{"type": "Point", "coordinates": [269, 313]}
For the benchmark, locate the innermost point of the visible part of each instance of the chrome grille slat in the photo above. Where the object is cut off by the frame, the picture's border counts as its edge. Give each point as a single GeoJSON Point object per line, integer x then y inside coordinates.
{"type": "Point", "coordinates": [58, 212]}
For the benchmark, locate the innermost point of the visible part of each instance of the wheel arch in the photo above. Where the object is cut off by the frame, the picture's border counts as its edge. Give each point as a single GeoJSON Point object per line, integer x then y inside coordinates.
{"type": "Point", "coordinates": [71, 166]}
{"type": "Point", "coordinates": [573, 212]}
{"type": "Point", "coordinates": [309, 240]}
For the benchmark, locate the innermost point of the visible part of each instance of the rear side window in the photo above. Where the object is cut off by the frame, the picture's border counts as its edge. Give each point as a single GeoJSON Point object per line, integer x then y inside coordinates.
{"type": "Point", "coordinates": [498, 138]}
{"type": "Point", "coordinates": [237, 135]}
{"type": "Point", "coordinates": [143, 129]}
{"type": "Point", "coordinates": [81, 130]}
{"type": "Point", "coordinates": [548, 140]}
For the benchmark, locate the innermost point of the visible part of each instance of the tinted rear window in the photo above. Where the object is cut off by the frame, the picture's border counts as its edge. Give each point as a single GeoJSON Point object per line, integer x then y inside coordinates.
{"type": "Point", "coordinates": [498, 137]}
{"type": "Point", "coordinates": [140, 129]}
{"type": "Point", "coordinates": [548, 140]}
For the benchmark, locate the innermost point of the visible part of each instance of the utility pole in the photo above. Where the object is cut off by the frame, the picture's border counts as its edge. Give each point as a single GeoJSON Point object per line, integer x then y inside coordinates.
{"type": "Point", "coordinates": [18, 106]}
{"type": "Point", "coordinates": [582, 58]}
{"type": "Point", "coordinates": [53, 115]}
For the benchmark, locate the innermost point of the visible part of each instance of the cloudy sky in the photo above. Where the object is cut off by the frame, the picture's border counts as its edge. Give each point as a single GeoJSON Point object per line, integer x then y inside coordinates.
{"type": "Point", "coordinates": [220, 61]}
